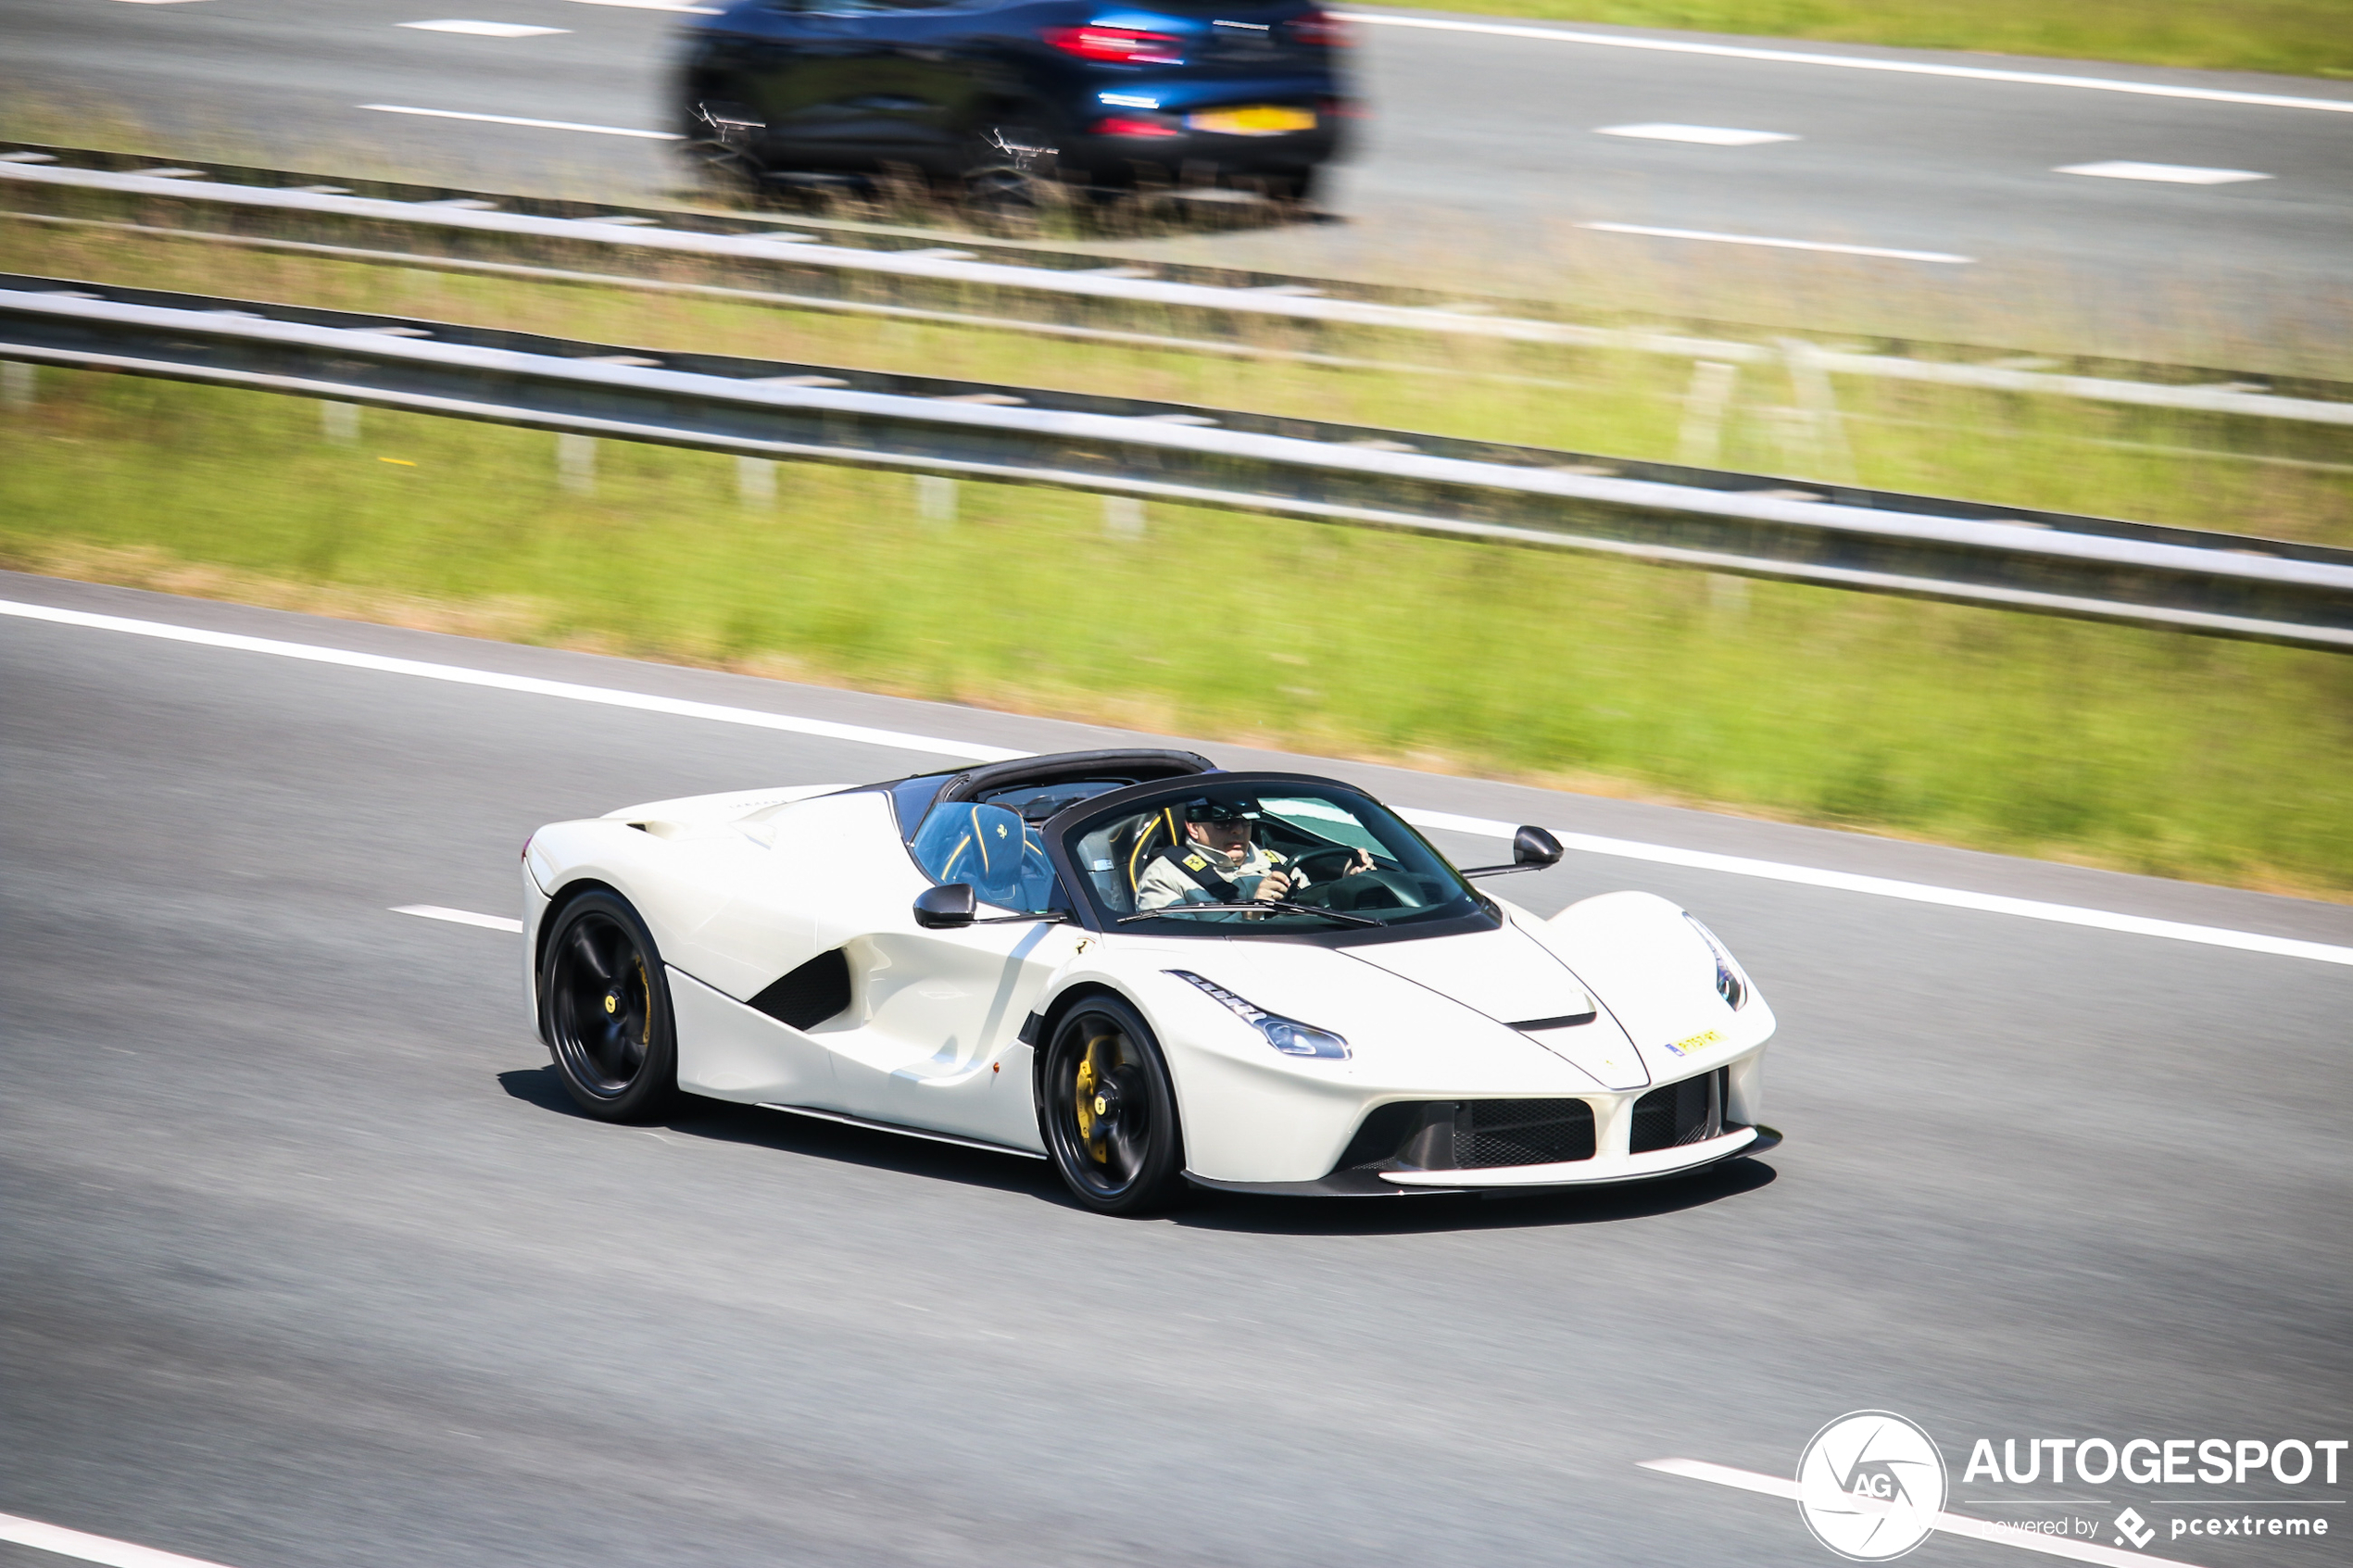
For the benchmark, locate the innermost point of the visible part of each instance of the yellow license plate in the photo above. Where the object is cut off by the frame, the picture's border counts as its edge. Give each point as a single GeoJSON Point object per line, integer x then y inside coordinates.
{"type": "Point", "coordinates": [1263, 120]}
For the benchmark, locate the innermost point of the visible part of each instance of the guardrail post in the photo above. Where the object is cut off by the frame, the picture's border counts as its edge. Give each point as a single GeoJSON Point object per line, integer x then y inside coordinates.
{"type": "Point", "coordinates": [19, 384]}
{"type": "Point", "coordinates": [339, 422]}
{"type": "Point", "coordinates": [1701, 444]}
{"type": "Point", "coordinates": [576, 464]}
{"type": "Point", "coordinates": [1123, 517]}
{"type": "Point", "coordinates": [935, 500]}
{"type": "Point", "coordinates": [1833, 460]}
{"type": "Point", "coordinates": [756, 480]}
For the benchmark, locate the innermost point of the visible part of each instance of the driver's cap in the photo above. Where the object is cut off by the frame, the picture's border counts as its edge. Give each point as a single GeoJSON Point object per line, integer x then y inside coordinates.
{"type": "Point", "coordinates": [1207, 810]}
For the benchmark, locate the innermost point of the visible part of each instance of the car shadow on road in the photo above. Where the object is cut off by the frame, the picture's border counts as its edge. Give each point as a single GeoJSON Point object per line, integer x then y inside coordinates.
{"type": "Point", "coordinates": [722, 1122]}
{"type": "Point", "coordinates": [1245, 1214]}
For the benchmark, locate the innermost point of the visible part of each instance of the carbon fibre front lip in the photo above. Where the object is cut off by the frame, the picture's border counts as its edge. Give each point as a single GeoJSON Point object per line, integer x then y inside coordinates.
{"type": "Point", "coordinates": [1368, 1184]}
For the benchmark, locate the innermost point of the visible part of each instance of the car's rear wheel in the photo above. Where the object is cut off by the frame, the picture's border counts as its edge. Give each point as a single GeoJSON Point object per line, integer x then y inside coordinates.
{"type": "Point", "coordinates": [604, 1006]}
{"type": "Point", "coordinates": [1109, 1110]}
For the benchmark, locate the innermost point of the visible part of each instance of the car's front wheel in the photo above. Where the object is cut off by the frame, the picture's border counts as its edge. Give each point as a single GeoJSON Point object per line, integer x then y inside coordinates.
{"type": "Point", "coordinates": [604, 1006]}
{"type": "Point", "coordinates": [1109, 1110]}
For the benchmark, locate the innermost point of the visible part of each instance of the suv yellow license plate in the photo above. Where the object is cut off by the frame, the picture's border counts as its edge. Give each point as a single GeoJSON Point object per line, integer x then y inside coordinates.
{"type": "Point", "coordinates": [1263, 120]}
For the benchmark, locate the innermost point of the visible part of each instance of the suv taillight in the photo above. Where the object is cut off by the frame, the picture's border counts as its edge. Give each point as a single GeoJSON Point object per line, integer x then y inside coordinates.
{"type": "Point", "coordinates": [1129, 125]}
{"type": "Point", "coordinates": [1117, 45]}
{"type": "Point", "coordinates": [1322, 27]}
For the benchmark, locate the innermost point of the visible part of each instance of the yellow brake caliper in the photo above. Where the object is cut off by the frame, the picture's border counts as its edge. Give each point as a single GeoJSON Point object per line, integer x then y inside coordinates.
{"type": "Point", "coordinates": [1090, 1077]}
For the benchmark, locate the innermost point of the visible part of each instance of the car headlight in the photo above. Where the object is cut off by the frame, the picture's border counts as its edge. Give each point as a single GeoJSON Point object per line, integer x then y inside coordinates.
{"type": "Point", "coordinates": [1730, 983]}
{"type": "Point", "coordinates": [1285, 1034]}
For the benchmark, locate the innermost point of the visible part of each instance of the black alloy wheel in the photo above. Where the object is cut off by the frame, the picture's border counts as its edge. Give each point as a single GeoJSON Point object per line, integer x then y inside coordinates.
{"type": "Point", "coordinates": [1108, 1112]}
{"type": "Point", "coordinates": [606, 1009]}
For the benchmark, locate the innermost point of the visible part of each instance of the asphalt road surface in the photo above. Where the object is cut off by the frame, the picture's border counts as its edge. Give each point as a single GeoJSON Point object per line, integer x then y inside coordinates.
{"type": "Point", "coordinates": [304, 1260]}
{"type": "Point", "coordinates": [1489, 157]}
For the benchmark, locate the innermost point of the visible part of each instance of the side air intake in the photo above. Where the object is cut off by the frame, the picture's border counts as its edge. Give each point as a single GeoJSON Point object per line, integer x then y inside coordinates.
{"type": "Point", "coordinates": [1676, 1114]}
{"type": "Point", "coordinates": [811, 994]}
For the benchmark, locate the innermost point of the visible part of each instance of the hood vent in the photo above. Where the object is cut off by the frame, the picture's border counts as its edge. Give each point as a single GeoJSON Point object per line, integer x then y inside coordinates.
{"type": "Point", "coordinates": [1505, 974]}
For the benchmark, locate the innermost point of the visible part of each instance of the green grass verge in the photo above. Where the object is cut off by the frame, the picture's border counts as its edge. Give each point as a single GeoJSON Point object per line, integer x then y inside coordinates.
{"type": "Point", "coordinates": [2294, 37]}
{"type": "Point", "coordinates": [2270, 478]}
{"type": "Point", "coordinates": [2170, 754]}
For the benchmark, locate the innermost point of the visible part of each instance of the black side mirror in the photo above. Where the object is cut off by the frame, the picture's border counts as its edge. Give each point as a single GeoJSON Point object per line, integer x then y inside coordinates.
{"type": "Point", "coordinates": [949, 905]}
{"type": "Point", "coordinates": [1533, 850]}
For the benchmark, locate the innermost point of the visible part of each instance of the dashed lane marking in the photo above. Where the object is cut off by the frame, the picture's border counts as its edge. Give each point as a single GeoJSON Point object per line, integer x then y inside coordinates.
{"type": "Point", "coordinates": [459, 917]}
{"type": "Point", "coordinates": [1950, 1523]}
{"type": "Point", "coordinates": [1882, 252]}
{"type": "Point", "coordinates": [2166, 174]}
{"type": "Point", "coordinates": [1736, 865]}
{"type": "Point", "coordinates": [1703, 135]}
{"type": "Point", "coordinates": [91, 1549]}
{"type": "Point", "coordinates": [1866, 62]}
{"type": "Point", "coordinates": [484, 29]}
{"type": "Point", "coordinates": [528, 124]}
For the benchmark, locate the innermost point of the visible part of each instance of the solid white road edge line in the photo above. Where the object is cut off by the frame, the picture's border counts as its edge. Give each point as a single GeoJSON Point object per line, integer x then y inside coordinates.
{"type": "Point", "coordinates": [1951, 1523]}
{"type": "Point", "coordinates": [1946, 258]}
{"type": "Point", "coordinates": [531, 124]}
{"type": "Point", "coordinates": [91, 1549]}
{"type": "Point", "coordinates": [1862, 62]}
{"type": "Point", "coordinates": [1913, 892]}
{"type": "Point", "coordinates": [460, 916]}
{"type": "Point", "coordinates": [460, 675]}
{"type": "Point", "coordinates": [1624, 848]}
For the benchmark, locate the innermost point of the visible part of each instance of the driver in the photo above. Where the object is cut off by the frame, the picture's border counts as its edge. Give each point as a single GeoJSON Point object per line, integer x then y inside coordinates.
{"type": "Point", "coordinates": [1218, 862]}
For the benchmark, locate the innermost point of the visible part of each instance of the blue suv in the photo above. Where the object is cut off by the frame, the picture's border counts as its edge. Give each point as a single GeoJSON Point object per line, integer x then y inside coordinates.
{"type": "Point", "coordinates": [1101, 95]}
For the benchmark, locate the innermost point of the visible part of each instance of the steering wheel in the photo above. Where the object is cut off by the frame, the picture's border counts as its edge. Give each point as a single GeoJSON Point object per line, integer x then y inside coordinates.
{"type": "Point", "coordinates": [1302, 861]}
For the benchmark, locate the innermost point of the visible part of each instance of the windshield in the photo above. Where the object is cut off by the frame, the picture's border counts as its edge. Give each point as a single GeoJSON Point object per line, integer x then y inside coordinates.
{"type": "Point", "coordinates": [1247, 859]}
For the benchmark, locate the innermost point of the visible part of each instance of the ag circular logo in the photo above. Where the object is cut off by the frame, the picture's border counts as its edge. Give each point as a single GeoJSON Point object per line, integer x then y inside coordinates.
{"type": "Point", "coordinates": [1870, 1485]}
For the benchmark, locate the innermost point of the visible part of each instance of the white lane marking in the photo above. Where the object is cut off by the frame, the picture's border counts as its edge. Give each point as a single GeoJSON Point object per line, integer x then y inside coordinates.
{"type": "Point", "coordinates": [1706, 135]}
{"type": "Point", "coordinates": [2167, 173]}
{"type": "Point", "coordinates": [1860, 62]}
{"type": "Point", "coordinates": [1913, 892]}
{"type": "Point", "coordinates": [484, 29]}
{"type": "Point", "coordinates": [460, 675]}
{"type": "Point", "coordinates": [459, 917]}
{"type": "Point", "coordinates": [1951, 1523]}
{"type": "Point", "coordinates": [1624, 848]}
{"type": "Point", "coordinates": [91, 1548]}
{"type": "Point", "coordinates": [531, 124]}
{"type": "Point", "coordinates": [1881, 251]}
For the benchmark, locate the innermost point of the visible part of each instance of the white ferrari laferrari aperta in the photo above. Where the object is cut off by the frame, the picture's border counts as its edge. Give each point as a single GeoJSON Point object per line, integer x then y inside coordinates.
{"type": "Point", "coordinates": [1147, 970]}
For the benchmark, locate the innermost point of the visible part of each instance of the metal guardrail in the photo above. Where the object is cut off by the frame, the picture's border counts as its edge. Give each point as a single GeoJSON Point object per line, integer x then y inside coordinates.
{"type": "Point", "coordinates": [1874, 541]}
{"type": "Point", "coordinates": [654, 233]}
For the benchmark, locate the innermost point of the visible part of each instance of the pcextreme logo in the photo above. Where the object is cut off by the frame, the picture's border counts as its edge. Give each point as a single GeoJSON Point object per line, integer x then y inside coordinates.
{"type": "Point", "coordinates": [1870, 1485]}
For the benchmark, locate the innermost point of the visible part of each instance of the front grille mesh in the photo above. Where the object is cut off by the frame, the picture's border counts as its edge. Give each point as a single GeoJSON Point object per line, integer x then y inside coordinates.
{"type": "Point", "coordinates": [1676, 1114]}
{"type": "Point", "coordinates": [1522, 1131]}
{"type": "Point", "coordinates": [1471, 1134]}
